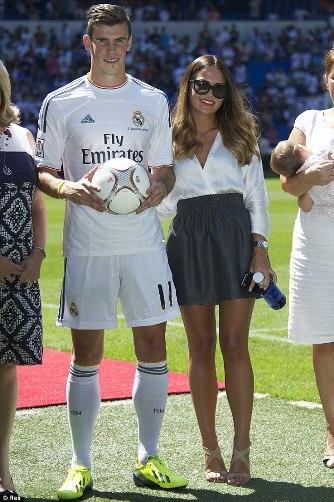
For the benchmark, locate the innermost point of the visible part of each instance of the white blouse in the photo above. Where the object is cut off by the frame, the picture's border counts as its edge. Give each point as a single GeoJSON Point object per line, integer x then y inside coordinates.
{"type": "Point", "coordinates": [221, 174]}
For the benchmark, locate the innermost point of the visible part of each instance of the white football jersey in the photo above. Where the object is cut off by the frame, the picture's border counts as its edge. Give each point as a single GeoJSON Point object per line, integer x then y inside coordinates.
{"type": "Point", "coordinates": [81, 125]}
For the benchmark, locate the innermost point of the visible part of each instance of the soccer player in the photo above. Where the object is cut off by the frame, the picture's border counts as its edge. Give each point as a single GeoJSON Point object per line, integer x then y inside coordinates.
{"type": "Point", "coordinates": [102, 115]}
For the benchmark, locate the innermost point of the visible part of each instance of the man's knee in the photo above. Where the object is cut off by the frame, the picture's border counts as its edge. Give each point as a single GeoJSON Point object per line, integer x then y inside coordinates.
{"type": "Point", "coordinates": [87, 347]}
{"type": "Point", "coordinates": [150, 344]}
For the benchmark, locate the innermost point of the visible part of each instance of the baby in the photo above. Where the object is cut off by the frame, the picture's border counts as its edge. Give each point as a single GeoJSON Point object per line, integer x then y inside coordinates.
{"type": "Point", "coordinates": [289, 158]}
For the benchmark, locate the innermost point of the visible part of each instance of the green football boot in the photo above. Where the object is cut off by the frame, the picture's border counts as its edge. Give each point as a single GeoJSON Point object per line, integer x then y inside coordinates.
{"type": "Point", "coordinates": [78, 480]}
{"type": "Point", "coordinates": [156, 474]}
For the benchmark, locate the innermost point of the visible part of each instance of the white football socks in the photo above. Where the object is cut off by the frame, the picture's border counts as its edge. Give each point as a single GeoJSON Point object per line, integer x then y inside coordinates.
{"type": "Point", "coordinates": [83, 404]}
{"type": "Point", "coordinates": [149, 396]}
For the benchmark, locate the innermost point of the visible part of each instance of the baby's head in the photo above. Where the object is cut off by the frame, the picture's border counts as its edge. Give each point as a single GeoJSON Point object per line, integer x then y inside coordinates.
{"type": "Point", "coordinates": [287, 157]}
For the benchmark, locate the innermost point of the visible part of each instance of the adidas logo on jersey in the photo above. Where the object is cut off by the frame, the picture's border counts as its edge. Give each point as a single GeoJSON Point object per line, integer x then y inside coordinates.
{"type": "Point", "coordinates": [87, 120]}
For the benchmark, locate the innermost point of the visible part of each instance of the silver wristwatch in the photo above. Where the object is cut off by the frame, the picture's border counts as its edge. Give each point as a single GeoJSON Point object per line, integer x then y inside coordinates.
{"type": "Point", "coordinates": [261, 244]}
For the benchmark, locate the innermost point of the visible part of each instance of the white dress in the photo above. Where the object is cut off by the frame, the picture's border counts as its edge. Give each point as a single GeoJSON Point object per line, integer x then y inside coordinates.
{"type": "Point", "coordinates": [311, 288]}
{"type": "Point", "coordinates": [322, 195]}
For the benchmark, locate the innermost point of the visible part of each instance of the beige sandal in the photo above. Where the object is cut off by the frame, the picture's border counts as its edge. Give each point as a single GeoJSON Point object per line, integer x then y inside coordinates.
{"type": "Point", "coordinates": [243, 477]}
{"type": "Point", "coordinates": [214, 476]}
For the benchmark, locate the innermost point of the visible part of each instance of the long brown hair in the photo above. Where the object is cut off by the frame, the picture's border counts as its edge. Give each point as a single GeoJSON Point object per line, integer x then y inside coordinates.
{"type": "Point", "coordinates": [9, 113]}
{"type": "Point", "coordinates": [235, 122]}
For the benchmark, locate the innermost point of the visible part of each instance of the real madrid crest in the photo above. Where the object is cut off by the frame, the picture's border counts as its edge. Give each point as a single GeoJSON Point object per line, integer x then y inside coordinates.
{"type": "Point", "coordinates": [73, 309]}
{"type": "Point", "coordinates": [137, 118]}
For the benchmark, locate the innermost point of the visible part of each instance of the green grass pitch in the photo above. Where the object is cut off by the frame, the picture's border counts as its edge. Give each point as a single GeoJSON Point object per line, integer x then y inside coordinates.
{"type": "Point", "coordinates": [281, 369]}
{"type": "Point", "coordinates": [287, 439]}
{"type": "Point", "coordinates": [287, 445]}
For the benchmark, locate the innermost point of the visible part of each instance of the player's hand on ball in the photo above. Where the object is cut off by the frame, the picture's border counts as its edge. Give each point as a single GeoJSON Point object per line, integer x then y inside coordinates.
{"type": "Point", "coordinates": [155, 193]}
{"type": "Point", "coordinates": [83, 192]}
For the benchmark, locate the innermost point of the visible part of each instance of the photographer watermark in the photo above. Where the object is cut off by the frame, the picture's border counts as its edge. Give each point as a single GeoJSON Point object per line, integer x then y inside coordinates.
{"type": "Point", "coordinates": [10, 497]}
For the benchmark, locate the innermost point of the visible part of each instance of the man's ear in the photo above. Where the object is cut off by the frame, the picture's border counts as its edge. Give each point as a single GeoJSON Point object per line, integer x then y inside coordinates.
{"type": "Point", "coordinates": [87, 42]}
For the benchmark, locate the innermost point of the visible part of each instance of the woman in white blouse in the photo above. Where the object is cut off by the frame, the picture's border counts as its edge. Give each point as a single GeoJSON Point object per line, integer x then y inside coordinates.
{"type": "Point", "coordinates": [218, 233]}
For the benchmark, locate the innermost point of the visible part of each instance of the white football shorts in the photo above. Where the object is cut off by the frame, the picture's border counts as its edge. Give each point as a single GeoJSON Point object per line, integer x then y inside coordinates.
{"type": "Point", "coordinates": [92, 284]}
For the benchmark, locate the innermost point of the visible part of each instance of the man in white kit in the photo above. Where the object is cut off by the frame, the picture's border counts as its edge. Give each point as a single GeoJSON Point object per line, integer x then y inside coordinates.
{"type": "Point", "coordinates": [103, 115]}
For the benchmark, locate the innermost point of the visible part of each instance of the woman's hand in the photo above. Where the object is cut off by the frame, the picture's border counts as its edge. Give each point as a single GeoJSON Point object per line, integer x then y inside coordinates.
{"type": "Point", "coordinates": [8, 269]}
{"type": "Point", "coordinates": [322, 172]}
{"type": "Point", "coordinates": [261, 263]}
{"type": "Point", "coordinates": [31, 266]}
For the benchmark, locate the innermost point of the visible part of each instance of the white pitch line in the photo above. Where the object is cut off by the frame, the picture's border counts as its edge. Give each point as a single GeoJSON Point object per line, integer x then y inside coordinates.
{"type": "Point", "coordinates": [306, 405]}
{"type": "Point", "coordinates": [50, 306]}
{"type": "Point", "coordinates": [28, 412]}
{"type": "Point", "coordinates": [222, 395]}
{"type": "Point", "coordinates": [254, 333]}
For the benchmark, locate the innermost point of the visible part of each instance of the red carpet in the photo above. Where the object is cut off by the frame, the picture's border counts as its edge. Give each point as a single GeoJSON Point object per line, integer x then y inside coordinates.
{"type": "Point", "coordinates": [44, 385]}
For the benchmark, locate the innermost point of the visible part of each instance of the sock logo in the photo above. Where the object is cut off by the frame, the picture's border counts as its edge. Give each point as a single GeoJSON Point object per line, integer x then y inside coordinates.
{"type": "Point", "coordinates": [76, 412]}
{"type": "Point", "coordinates": [158, 410]}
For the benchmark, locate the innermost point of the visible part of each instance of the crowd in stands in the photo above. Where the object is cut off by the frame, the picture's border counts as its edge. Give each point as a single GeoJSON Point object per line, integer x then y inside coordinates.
{"type": "Point", "coordinates": [280, 74]}
{"type": "Point", "coordinates": [173, 10]}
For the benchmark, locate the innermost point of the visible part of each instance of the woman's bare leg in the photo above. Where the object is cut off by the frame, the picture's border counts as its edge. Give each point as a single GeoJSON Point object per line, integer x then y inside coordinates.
{"type": "Point", "coordinates": [234, 322]}
{"type": "Point", "coordinates": [8, 399]}
{"type": "Point", "coordinates": [323, 364]}
{"type": "Point", "coordinates": [200, 326]}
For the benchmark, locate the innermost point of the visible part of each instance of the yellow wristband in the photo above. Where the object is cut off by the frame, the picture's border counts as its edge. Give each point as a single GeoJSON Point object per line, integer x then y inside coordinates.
{"type": "Point", "coordinates": [58, 187]}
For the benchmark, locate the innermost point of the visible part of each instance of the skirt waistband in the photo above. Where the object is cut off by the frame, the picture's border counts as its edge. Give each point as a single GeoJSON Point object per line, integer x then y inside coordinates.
{"type": "Point", "coordinates": [210, 201]}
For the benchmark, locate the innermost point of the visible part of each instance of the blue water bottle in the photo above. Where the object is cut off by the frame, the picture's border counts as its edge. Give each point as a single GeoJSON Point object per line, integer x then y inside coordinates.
{"type": "Point", "coordinates": [272, 295]}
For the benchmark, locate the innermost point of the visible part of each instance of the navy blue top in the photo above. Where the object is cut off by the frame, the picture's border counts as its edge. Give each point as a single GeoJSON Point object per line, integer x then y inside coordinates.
{"type": "Point", "coordinates": [17, 188]}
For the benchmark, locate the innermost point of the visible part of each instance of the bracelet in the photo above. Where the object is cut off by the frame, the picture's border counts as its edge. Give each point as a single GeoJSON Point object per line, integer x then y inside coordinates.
{"type": "Point", "coordinates": [41, 250]}
{"type": "Point", "coordinates": [58, 188]}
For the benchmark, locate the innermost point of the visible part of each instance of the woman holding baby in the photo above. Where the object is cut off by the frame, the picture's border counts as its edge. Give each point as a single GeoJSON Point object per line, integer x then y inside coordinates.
{"type": "Point", "coordinates": [311, 312]}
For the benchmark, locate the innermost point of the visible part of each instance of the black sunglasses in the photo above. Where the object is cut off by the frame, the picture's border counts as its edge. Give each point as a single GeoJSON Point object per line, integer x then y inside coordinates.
{"type": "Point", "coordinates": [202, 87]}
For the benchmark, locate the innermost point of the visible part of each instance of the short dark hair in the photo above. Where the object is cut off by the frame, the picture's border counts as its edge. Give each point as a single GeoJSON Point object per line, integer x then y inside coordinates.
{"type": "Point", "coordinates": [108, 14]}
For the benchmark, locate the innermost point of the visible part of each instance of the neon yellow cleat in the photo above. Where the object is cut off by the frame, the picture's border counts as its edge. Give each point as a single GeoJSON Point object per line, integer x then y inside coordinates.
{"type": "Point", "coordinates": [78, 480]}
{"type": "Point", "coordinates": [156, 474]}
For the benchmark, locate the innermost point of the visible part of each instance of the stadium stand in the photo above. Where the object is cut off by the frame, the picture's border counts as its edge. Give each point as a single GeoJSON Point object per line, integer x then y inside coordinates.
{"type": "Point", "coordinates": [278, 69]}
{"type": "Point", "coordinates": [172, 10]}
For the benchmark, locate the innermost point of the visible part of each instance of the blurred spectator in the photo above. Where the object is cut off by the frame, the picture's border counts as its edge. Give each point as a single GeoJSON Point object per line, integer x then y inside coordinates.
{"type": "Point", "coordinates": [255, 9]}
{"type": "Point", "coordinates": [271, 70]}
{"type": "Point", "coordinates": [172, 10]}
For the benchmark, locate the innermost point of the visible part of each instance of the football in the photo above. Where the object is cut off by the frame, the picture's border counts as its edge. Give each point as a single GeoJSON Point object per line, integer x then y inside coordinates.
{"type": "Point", "coordinates": [123, 185]}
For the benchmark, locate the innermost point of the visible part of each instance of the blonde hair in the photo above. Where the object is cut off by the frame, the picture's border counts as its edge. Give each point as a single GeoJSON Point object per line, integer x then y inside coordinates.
{"type": "Point", "coordinates": [235, 122]}
{"type": "Point", "coordinates": [9, 113]}
{"type": "Point", "coordinates": [328, 65]}
{"type": "Point", "coordinates": [285, 158]}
